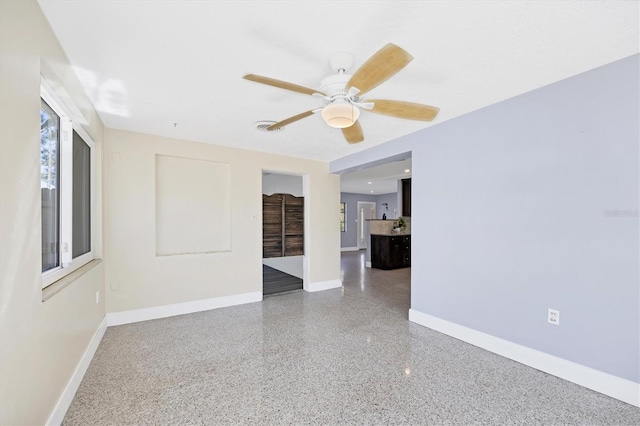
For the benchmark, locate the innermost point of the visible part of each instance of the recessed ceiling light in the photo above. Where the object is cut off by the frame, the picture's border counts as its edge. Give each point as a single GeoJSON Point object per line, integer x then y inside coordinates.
{"type": "Point", "coordinates": [369, 183]}
{"type": "Point", "coordinates": [371, 192]}
{"type": "Point", "coordinates": [407, 170]}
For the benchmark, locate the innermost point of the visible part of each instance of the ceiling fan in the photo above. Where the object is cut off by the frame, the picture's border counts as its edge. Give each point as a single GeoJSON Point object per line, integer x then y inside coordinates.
{"type": "Point", "coordinates": [343, 93]}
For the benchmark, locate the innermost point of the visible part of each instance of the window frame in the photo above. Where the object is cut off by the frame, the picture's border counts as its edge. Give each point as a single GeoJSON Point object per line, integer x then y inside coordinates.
{"type": "Point", "coordinates": [69, 122]}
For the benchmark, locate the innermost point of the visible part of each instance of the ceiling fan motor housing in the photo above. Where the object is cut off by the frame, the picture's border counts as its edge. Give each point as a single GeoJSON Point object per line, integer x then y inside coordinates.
{"type": "Point", "coordinates": [335, 84]}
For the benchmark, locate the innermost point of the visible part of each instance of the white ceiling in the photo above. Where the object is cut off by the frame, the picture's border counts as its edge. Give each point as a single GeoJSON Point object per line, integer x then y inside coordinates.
{"type": "Point", "coordinates": [149, 64]}
{"type": "Point", "coordinates": [382, 179]}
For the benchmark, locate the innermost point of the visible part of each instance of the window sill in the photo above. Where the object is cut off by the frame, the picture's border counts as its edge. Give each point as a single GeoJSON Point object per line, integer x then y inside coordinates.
{"type": "Point", "coordinates": [57, 286]}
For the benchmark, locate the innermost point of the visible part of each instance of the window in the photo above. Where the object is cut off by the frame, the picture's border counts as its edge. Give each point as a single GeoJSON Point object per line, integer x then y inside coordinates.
{"type": "Point", "coordinates": [81, 232]}
{"type": "Point", "coordinates": [49, 183]}
{"type": "Point", "coordinates": [343, 216]}
{"type": "Point", "coordinates": [66, 159]}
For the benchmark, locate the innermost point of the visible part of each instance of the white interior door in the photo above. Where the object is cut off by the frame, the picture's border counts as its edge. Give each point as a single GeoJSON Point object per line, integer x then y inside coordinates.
{"type": "Point", "coordinates": [366, 210]}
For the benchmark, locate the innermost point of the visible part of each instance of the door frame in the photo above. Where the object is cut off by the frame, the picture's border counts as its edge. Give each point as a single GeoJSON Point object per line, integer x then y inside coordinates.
{"type": "Point", "coordinates": [362, 214]}
{"type": "Point", "coordinates": [307, 214]}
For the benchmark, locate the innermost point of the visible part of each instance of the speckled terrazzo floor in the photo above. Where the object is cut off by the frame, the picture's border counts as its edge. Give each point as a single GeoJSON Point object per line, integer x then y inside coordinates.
{"type": "Point", "coordinates": [343, 356]}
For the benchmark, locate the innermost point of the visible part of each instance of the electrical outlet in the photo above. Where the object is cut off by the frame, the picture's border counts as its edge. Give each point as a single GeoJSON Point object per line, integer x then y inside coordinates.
{"type": "Point", "coordinates": [553, 317]}
{"type": "Point", "coordinates": [97, 296]}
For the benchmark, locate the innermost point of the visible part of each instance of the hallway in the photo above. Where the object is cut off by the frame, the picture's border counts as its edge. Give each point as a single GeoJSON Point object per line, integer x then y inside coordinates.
{"type": "Point", "coordinates": [339, 356]}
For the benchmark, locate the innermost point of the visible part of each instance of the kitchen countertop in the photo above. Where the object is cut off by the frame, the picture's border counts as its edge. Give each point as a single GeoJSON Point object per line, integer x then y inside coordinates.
{"type": "Point", "coordinates": [385, 227]}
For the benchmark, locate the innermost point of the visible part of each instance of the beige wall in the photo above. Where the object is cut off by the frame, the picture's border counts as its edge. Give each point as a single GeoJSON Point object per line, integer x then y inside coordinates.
{"type": "Point", "coordinates": [40, 343]}
{"type": "Point", "coordinates": [137, 278]}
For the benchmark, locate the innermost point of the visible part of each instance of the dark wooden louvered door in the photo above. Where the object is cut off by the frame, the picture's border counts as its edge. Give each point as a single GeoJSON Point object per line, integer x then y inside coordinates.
{"type": "Point", "coordinates": [293, 225]}
{"type": "Point", "coordinates": [282, 225]}
{"type": "Point", "coordinates": [272, 225]}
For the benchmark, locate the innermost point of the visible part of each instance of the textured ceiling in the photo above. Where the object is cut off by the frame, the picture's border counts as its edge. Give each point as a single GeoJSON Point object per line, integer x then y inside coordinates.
{"type": "Point", "coordinates": [149, 64]}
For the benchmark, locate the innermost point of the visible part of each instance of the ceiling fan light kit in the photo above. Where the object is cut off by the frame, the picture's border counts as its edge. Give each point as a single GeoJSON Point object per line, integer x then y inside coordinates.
{"type": "Point", "coordinates": [340, 114]}
{"type": "Point", "coordinates": [343, 92]}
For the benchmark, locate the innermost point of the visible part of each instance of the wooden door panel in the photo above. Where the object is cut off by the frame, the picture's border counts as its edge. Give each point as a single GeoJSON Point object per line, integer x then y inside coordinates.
{"type": "Point", "coordinates": [282, 225]}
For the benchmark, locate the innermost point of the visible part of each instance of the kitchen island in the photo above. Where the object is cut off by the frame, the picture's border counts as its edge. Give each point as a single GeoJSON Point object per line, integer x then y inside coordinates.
{"type": "Point", "coordinates": [389, 249]}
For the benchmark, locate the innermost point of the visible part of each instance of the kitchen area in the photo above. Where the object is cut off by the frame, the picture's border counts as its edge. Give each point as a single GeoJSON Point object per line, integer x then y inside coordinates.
{"type": "Point", "coordinates": [390, 243]}
{"type": "Point", "coordinates": [390, 246]}
{"type": "Point", "coordinates": [376, 215]}
{"type": "Point", "coordinates": [390, 240]}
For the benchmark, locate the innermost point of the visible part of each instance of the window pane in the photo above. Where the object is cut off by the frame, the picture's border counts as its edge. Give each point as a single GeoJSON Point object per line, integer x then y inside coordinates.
{"type": "Point", "coordinates": [81, 197]}
{"type": "Point", "coordinates": [49, 183]}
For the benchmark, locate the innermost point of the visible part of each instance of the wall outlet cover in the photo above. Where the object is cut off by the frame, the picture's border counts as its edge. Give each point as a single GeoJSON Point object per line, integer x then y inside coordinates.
{"type": "Point", "coordinates": [553, 316]}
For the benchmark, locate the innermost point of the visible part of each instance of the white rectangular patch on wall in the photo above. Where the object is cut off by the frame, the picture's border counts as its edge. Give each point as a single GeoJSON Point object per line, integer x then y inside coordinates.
{"type": "Point", "coordinates": [193, 206]}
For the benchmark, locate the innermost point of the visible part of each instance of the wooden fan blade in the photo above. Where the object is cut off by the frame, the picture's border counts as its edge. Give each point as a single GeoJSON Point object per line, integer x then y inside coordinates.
{"type": "Point", "coordinates": [281, 84]}
{"type": "Point", "coordinates": [353, 134]}
{"type": "Point", "coordinates": [402, 109]}
{"type": "Point", "coordinates": [378, 68]}
{"type": "Point", "coordinates": [291, 120]}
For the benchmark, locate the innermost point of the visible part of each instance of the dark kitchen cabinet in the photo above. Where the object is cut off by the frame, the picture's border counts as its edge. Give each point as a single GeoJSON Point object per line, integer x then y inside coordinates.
{"type": "Point", "coordinates": [390, 251]}
{"type": "Point", "coordinates": [406, 197]}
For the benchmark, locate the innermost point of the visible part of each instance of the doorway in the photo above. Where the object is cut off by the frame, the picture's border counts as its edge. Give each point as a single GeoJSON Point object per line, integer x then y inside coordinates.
{"type": "Point", "coordinates": [284, 221]}
{"type": "Point", "coordinates": [366, 210]}
{"type": "Point", "coordinates": [379, 186]}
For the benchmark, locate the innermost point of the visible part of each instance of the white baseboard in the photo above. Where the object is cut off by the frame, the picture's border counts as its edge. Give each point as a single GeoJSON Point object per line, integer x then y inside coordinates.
{"type": "Point", "coordinates": [322, 285]}
{"type": "Point", "coordinates": [61, 407]}
{"type": "Point", "coordinates": [367, 264]}
{"type": "Point", "coordinates": [349, 249]}
{"type": "Point", "coordinates": [599, 381]}
{"type": "Point", "coordinates": [155, 312]}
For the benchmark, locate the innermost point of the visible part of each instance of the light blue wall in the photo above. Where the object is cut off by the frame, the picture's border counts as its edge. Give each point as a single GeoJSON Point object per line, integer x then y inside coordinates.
{"type": "Point", "coordinates": [512, 218]}
{"type": "Point", "coordinates": [350, 237]}
{"type": "Point", "coordinates": [392, 200]}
